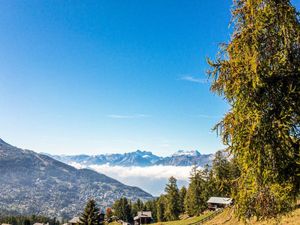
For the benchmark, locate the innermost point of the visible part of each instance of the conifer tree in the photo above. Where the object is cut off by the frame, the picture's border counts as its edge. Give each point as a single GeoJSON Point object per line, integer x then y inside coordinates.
{"type": "Point", "coordinates": [160, 206]}
{"type": "Point", "coordinates": [136, 207]}
{"type": "Point", "coordinates": [182, 194]}
{"type": "Point", "coordinates": [222, 174]}
{"type": "Point", "coordinates": [195, 200]}
{"type": "Point", "coordinates": [151, 206]}
{"type": "Point", "coordinates": [122, 209]}
{"type": "Point", "coordinates": [90, 215]}
{"type": "Point", "coordinates": [258, 73]}
{"type": "Point", "coordinates": [172, 210]}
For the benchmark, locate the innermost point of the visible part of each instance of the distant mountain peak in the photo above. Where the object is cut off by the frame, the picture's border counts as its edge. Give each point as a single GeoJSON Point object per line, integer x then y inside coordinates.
{"type": "Point", "coordinates": [186, 153]}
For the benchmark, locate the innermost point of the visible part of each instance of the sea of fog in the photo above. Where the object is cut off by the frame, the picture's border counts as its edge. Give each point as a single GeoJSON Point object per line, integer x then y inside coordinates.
{"type": "Point", "coordinates": [152, 179]}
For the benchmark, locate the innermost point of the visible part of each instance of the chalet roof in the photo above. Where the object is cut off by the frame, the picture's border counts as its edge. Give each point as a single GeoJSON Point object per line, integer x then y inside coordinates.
{"type": "Point", "coordinates": [220, 200]}
{"type": "Point", "coordinates": [74, 220]}
{"type": "Point", "coordinates": [143, 214]}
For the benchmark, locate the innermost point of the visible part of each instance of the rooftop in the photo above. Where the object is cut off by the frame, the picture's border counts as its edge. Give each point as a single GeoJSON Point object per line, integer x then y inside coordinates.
{"type": "Point", "coordinates": [220, 200]}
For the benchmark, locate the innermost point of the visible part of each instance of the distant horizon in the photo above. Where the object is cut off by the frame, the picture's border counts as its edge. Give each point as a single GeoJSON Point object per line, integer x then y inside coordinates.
{"type": "Point", "coordinates": [107, 153]}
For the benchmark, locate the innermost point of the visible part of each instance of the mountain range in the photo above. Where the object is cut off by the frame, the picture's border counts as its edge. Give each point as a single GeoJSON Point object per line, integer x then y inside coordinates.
{"type": "Point", "coordinates": [139, 158]}
{"type": "Point", "coordinates": [32, 183]}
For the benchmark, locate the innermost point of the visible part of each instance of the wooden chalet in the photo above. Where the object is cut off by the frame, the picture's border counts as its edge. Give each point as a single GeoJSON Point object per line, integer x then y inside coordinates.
{"type": "Point", "coordinates": [215, 203]}
{"type": "Point", "coordinates": [143, 217]}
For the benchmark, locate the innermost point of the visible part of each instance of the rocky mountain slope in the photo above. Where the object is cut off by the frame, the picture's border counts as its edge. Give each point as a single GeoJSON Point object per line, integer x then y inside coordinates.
{"type": "Point", "coordinates": [32, 183]}
{"type": "Point", "coordinates": [139, 158]}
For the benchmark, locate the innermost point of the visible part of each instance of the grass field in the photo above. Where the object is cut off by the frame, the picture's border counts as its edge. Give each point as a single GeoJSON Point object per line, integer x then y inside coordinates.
{"type": "Point", "coordinates": [227, 218]}
{"type": "Point", "coordinates": [185, 221]}
{"type": "Point", "coordinates": [178, 222]}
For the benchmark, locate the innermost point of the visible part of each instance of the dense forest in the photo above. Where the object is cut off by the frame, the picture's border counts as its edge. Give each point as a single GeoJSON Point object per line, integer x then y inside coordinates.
{"type": "Point", "coordinates": [28, 220]}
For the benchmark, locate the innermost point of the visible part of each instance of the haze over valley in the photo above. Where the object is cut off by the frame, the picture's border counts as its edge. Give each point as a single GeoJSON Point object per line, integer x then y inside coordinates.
{"type": "Point", "coordinates": [142, 168]}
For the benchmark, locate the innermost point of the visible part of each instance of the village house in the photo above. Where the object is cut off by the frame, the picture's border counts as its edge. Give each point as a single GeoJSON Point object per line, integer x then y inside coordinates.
{"type": "Point", "coordinates": [215, 203]}
{"type": "Point", "coordinates": [74, 221]}
{"type": "Point", "coordinates": [143, 217]}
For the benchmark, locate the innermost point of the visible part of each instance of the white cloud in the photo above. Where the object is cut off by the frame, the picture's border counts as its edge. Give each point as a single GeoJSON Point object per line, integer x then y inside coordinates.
{"type": "Point", "coordinates": [134, 116]}
{"type": "Point", "coordinates": [151, 172]}
{"type": "Point", "coordinates": [151, 179]}
{"type": "Point", "coordinates": [194, 79]}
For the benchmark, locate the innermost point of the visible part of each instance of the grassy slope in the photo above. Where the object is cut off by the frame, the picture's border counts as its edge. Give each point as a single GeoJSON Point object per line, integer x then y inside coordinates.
{"type": "Point", "coordinates": [227, 218]}
{"type": "Point", "coordinates": [177, 222]}
{"type": "Point", "coordinates": [184, 221]}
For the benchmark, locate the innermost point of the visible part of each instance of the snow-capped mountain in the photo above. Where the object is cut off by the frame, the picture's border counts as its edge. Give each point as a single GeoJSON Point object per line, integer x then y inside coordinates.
{"type": "Point", "coordinates": [193, 153]}
{"type": "Point", "coordinates": [140, 158]}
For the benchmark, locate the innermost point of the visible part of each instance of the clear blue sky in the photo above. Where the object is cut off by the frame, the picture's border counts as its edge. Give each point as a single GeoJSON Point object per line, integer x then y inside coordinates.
{"type": "Point", "coordinates": [110, 76]}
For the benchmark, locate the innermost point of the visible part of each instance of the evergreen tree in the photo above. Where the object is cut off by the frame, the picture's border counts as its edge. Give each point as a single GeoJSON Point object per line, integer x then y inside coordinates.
{"type": "Point", "coordinates": [258, 73]}
{"type": "Point", "coordinates": [172, 210]}
{"type": "Point", "coordinates": [151, 206]}
{"type": "Point", "coordinates": [122, 209]}
{"type": "Point", "coordinates": [182, 194]}
{"type": "Point", "coordinates": [195, 200]}
{"type": "Point", "coordinates": [90, 215]}
{"type": "Point", "coordinates": [160, 206]}
{"type": "Point", "coordinates": [136, 207]}
{"type": "Point", "coordinates": [222, 174]}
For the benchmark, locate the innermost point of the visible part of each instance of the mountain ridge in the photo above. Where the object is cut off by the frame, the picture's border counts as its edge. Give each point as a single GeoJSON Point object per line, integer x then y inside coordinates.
{"type": "Point", "coordinates": [32, 183]}
{"type": "Point", "coordinates": [139, 158]}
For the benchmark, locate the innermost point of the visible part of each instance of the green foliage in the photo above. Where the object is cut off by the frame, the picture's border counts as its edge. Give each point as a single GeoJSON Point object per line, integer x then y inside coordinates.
{"type": "Point", "coordinates": [160, 206]}
{"type": "Point", "coordinates": [151, 206]}
{"type": "Point", "coordinates": [27, 220]}
{"type": "Point", "coordinates": [182, 194]}
{"type": "Point", "coordinates": [90, 214]}
{"type": "Point", "coordinates": [258, 73]}
{"type": "Point", "coordinates": [222, 174]}
{"type": "Point", "coordinates": [172, 205]}
{"type": "Point", "coordinates": [122, 209]}
{"type": "Point", "coordinates": [196, 196]}
{"type": "Point", "coordinates": [136, 207]}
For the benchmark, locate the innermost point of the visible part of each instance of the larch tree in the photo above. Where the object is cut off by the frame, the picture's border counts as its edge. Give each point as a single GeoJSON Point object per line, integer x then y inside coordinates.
{"type": "Point", "coordinates": [90, 215]}
{"type": "Point", "coordinates": [258, 73]}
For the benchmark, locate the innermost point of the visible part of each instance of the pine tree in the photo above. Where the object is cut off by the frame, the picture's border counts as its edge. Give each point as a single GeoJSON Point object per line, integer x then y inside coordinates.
{"type": "Point", "coordinates": [172, 210]}
{"type": "Point", "coordinates": [222, 174]}
{"type": "Point", "coordinates": [90, 214]}
{"type": "Point", "coordinates": [151, 206]}
{"type": "Point", "coordinates": [182, 194]}
{"type": "Point", "coordinates": [258, 73]}
{"type": "Point", "coordinates": [122, 209]}
{"type": "Point", "coordinates": [195, 200]}
{"type": "Point", "coordinates": [136, 207]}
{"type": "Point", "coordinates": [160, 206]}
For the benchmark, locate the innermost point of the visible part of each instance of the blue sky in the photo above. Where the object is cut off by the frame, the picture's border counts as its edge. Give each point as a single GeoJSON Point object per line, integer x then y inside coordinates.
{"type": "Point", "coordinates": [110, 76]}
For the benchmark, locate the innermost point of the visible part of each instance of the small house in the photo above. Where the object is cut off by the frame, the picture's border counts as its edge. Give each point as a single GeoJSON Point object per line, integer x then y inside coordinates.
{"type": "Point", "coordinates": [143, 217]}
{"type": "Point", "coordinates": [218, 202]}
{"type": "Point", "coordinates": [74, 221]}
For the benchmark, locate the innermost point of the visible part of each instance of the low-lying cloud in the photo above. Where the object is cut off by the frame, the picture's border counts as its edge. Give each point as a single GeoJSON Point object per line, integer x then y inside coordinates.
{"type": "Point", "coordinates": [151, 179]}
